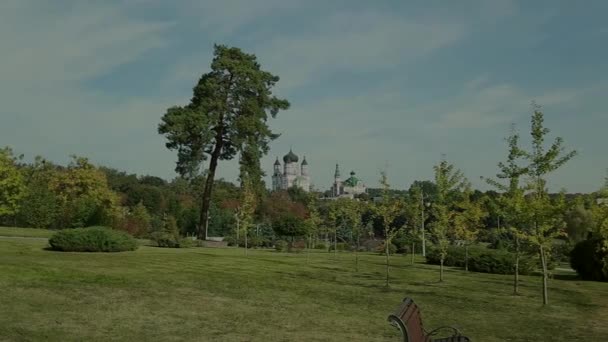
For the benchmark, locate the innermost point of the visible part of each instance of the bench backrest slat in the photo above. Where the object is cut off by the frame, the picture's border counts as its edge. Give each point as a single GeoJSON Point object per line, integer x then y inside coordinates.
{"type": "Point", "coordinates": [409, 315]}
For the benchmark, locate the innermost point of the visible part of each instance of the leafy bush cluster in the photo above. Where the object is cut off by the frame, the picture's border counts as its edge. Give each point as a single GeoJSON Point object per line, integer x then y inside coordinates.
{"type": "Point", "coordinates": [280, 246]}
{"type": "Point", "coordinates": [93, 239]}
{"type": "Point", "coordinates": [252, 242]}
{"type": "Point", "coordinates": [392, 249]}
{"type": "Point", "coordinates": [341, 246]}
{"type": "Point", "coordinates": [168, 236]}
{"type": "Point", "coordinates": [483, 260]}
{"type": "Point", "coordinates": [289, 246]}
{"type": "Point", "coordinates": [589, 259]}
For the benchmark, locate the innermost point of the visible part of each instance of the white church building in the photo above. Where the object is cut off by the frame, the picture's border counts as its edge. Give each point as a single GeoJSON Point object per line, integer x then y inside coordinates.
{"type": "Point", "coordinates": [293, 174]}
{"type": "Point", "coordinates": [348, 188]}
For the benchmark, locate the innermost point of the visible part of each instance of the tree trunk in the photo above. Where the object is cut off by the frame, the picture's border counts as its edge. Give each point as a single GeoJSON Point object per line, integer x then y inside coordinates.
{"type": "Point", "coordinates": [387, 252]}
{"type": "Point", "coordinates": [238, 229]}
{"type": "Point", "coordinates": [413, 251]}
{"type": "Point", "coordinates": [308, 249]}
{"type": "Point", "coordinates": [357, 256]}
{"type": "Point", "coordinates": [543, 261]}
{"type": "Point", "coordinates": [516, 275]}
{"type": "Point", "coordinates": [466, 257]}
{"type": "Point", "coordinates": [246, 240]}
{"type": "Point", "coordinates": [206, 200]}
{"type": "Point", "coordinates": [335, 242]}
{"type": "Point", "coordinates": [441, 269]}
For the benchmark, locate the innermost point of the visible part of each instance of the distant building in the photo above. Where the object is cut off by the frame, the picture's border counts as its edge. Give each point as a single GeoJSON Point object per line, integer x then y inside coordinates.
{"type": "Point", "coordinates": [349, 188]}
{"type": "Point", "coordinates": [602, 201]}
{"type": "Point", "coordinates": [293, 174]}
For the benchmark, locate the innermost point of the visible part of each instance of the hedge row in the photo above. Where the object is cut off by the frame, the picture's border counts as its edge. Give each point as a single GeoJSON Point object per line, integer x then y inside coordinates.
{"type": "Point", "coordinates": [484, 260]}
{"type": "Point", "coordinates": [93, 239]}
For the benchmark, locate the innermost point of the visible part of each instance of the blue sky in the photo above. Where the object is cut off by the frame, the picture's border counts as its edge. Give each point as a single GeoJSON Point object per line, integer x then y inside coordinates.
{"type": "Point", "coordinates": [373, 84]}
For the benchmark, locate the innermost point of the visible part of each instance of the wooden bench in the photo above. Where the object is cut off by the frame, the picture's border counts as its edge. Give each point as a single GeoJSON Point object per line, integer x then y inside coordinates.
{"type": "Point", "coordinates": [407, 318]}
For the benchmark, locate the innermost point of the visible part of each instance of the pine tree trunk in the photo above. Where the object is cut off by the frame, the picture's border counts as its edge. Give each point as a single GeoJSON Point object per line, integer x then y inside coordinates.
{"type": "Point", "coordinates": [516, 275]}
{"type": "Point", "coordinates": [206, 200]}
{"type": "Point", "coordinates": [387, 252]}
{"type": "Point", "coordinates": [441, 269]}
{"type": "Point", "coordinates": [413, 251]}
{"type": "Point", "coordinates": [543, 261]}
{"type": "Point", "coordinates": [466, 257]}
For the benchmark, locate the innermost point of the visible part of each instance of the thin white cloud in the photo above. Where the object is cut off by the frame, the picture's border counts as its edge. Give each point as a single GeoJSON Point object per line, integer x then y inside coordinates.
{"type": "Point", "coordinates": [352, 41]}
{"type": "Point", "coordinates": [55, 46]}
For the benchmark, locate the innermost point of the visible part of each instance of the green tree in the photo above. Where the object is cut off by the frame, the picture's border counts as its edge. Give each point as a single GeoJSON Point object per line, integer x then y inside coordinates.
{"type": "Point", "coordinates": [348, 213]}
{"type": "Point", "coordinates": [387, 209]}
{"type": "Point", "coordinates": [247, 209]}
{"type": "Point", "coordinates": [290, 226]}
{"type": "Point", "coordinates": [139, 220]}
{"type": "Point", "coordinates": [449, 181]}
{"type": "Point", "coordinates": [83, 195]}
{"type": "Point", "coordinates": [227, 114]}
{"type": "Point", "coordinates": [546, 220]}
{"type": "Point", "coordinates": [12, 184]}
{"type": "Point", "coordinates": [579, 223]}
{"type": "Point", "coordinates": [416, 218]}
{"type": "Point", "coordinates": [512, 202]}
{"type": "Point", "coordinates": [313, 222]}
{"type": "Point", "coordinates": [467, 220]}
{"type": "Point", "coordinates": [39, 207]}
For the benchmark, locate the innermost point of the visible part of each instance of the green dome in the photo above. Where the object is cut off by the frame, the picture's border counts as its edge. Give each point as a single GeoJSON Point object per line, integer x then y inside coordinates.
{"type": "Point", "coordinates": [352, 181]}
{"type": "Point", "coordinates": [304, 162]}
{"type": "Point", "coordinates": [290, 157]}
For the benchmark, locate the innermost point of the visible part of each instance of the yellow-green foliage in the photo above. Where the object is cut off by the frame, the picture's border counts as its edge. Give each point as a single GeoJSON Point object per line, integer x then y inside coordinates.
{"type": "Point", "coordinates": [12, 185]}
{"type": "Point", "coordinates": [83, 194]}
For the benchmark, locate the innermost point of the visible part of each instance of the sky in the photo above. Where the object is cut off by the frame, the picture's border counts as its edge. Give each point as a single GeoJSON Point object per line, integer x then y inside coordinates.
{"type": "Point", "coordinates": [373, 85]}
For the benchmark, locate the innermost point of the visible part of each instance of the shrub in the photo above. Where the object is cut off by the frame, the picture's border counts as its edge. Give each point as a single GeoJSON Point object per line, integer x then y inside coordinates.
{"type": "Point", "coordinates": [280, 246]}
{"type": "Point", "coordinates": [392, 249]}
{"type": "Point", "coordinates": [230, 240]}
{"type": "Point", "coordinates": [341, 246]}
{"type": "Point", "coordinates": [169, 236]}
{"type": "Point", "coordinates": [93, 239]}
{"type": "Point", "coordinates": [589, 259]}
{"type": "Point", "coordinates": [483, 260]}
{"type": "Point", "coordinates": [320, 245]}
{"type": "Point", "coordinates": [296, 246]}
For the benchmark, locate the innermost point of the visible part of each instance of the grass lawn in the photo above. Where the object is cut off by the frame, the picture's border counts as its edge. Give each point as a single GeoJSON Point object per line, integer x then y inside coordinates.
{"type": "Point", "coordinates": [26, 232]}
{"type": "Point", "coordinates": [206, 294]}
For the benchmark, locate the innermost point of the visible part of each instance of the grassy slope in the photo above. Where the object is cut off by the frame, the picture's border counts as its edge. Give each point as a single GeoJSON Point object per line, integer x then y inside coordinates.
{"type": "Point", "coordinates": [26, 232]}
{"type": "Point", "coordinates": [218, 295]}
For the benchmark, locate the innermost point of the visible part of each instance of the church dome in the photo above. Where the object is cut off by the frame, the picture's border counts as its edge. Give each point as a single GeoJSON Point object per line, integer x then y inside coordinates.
{"type": "Point", "coordinates": [290, 157]}
{"type": "Point", "coordinates": [276, 163]}
{"type": "Point", "coordinates": [304, 162]}
{"type": "Point", "coordinates": [352, 181]}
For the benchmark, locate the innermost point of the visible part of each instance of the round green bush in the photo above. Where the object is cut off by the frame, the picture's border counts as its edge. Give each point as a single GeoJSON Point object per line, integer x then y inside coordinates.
{"type": "Point", "coordinates": [589, 259]}
{"type": "Point", "coordinates": [320, 245]}
{"type": "Point", "coordinates": [280, 246]}
{"type": "Point", "coordinates": [381, 249]}
{"type": "Point", "coordinates": [92, 239]}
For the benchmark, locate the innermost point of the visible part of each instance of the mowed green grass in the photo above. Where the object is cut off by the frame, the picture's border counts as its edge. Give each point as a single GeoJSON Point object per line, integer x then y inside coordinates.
{"type": "Point", "coordinates": [26, 232]}
{"type": "Point", "coordinates": [205, 294]}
